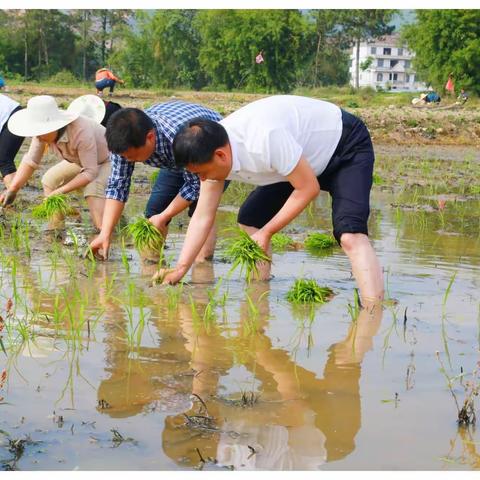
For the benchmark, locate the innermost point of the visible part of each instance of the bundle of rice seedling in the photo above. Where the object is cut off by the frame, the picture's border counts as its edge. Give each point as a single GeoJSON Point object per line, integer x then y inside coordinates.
{"type": "Point", "coordinates": [244, 252]}
{"type": "Point", "coordinates": [147, 239]}
{"type": "Point", "coordinates": [317, 242]}
{"type": "Point", "coordinates": [308, 291]}
{"type": "Point", "coordinates": [52, 206]}
{"type": "Point", "coordinates": [281, 242]}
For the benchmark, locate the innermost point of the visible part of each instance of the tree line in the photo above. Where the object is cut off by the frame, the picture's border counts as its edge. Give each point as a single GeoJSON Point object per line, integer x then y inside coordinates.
{"type": "Point", "coordinates": [188, 48]}
{"type": "Point", "coordinates": [217, 49]}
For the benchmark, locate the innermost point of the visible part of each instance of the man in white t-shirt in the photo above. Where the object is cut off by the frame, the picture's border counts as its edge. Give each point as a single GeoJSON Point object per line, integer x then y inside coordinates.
{"type": "Point", "coordinates": [290, 147]}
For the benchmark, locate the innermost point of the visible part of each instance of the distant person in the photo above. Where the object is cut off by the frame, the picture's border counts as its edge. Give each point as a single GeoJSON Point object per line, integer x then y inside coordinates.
{"type": "Point", "coordinates": [9, 143]}
{"type": "Point", "coordinates": [450, 86]}
{"type": "Point", "coordinates": [432, 97]}
{"type": "Point", "coordinates": [105, 78]}
{"type": "Point", "coordinates": [462, 97]}
{"type": "Point", "coordinates": [78, 141]}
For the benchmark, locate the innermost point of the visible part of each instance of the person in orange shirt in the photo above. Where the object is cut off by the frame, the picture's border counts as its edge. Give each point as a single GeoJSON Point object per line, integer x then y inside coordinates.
{"type": "Point", "coordinates": [105, 78]}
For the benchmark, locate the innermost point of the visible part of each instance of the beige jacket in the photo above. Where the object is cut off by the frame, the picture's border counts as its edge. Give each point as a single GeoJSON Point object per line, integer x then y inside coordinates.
{"type": "Point", "coordinates": [83, 143]}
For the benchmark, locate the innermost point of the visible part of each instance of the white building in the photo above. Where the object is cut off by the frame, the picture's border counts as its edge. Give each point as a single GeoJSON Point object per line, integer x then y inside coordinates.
{"type": "Point", "coordinates": [390, 65]}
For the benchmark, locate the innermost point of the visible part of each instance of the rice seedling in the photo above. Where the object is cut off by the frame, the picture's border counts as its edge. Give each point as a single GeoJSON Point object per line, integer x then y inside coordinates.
{"type": "Point", "coordinates": [154, 176]}
{"type": "Point", "coordinates": [214, 297]}
{"type": "Point", "coordinates": [125, 262]}
{"type": "Point", "coordinates": [135, 326]}
{"type": "Point", "coordinates": [304, 333]}
{"type": "Point", "coordinates": [308, 291]}
{"type": "Point", "coordinates": [251, 323]}
{"type": "Point", "coordinates": [75, 242]}
{"type": "Point", "coordinates": [354, 309]}
{"type": "Point", "coordinates": [147, 239]}
{"type": "Point", "coordinates": [245, 253]}
{"type": "Point", "coordinates": [174, 294]}
{"type": "Point", "coordinates": [52, 206]}
{"type": "Point", "coordinates": [318, 242]}
{"type": "Point", "coordinates": [449, 287]}
{"type": "Point", "coordinates": [281, 241]}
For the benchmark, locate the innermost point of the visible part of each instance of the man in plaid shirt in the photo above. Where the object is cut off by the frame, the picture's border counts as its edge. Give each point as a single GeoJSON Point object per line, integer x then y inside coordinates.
{"type": "Point", "coordinates": [146, 136]}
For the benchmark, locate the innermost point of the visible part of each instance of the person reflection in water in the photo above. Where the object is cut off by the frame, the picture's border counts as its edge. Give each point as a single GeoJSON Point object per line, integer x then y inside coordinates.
{"type": "Point", "coordinates": [298, 423]}
{"type": "Point", "coordinates": [160, 376]}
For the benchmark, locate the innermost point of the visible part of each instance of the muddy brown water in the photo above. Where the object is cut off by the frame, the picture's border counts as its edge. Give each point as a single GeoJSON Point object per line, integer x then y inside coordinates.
{"type": "Point", "coordinates": [151, 383]}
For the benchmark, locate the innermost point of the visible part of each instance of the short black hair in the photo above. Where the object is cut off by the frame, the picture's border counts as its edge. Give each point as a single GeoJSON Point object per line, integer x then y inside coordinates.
{"type": "Point", "coordinates": [196, 142]}
{"type": "Point", "coordinates": [127, 128]}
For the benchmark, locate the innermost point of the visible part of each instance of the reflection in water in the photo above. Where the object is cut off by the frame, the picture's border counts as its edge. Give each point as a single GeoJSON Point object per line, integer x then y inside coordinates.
{"type": "Point", "coordinates": [298, 422]}
{"type": "Point", "coordinates": [194, 382]}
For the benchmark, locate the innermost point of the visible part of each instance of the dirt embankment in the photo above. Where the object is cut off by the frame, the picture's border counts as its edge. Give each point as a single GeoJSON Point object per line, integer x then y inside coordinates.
{"type": "Point", "coordinates": [395, 125]}
{"type": "Point", "coordinates": [408, 125]}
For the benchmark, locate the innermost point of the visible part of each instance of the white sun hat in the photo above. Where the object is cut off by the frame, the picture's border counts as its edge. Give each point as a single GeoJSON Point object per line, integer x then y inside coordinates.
{"type": "Point", "coordinates": [41, 116]}
{"type": "Point", "coordinates": [90, 106]}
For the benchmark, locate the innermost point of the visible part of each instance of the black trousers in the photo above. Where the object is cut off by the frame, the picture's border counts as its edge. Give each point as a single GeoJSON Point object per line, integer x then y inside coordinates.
{"type": "Point", "coordinates": [348, 179]}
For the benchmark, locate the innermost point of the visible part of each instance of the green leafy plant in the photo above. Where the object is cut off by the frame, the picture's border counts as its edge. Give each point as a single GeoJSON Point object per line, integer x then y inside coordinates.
{"type": "Point", "coordinates": [316, 242]}
{"type": "Point", "coordinates": [145, 235]}
{"type": "Point", "coordinates": [245, 253]}
{"type": "Point", "coordinates": [281, 242]}
{"type": "Point", "coordinates": [308, 291]}
{"type": "Point", "coordinates": [51, 206]}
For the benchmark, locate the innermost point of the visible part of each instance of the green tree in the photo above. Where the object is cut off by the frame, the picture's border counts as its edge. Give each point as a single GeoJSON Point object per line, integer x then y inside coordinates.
{"type": "Point", "coordinates": [231, 39]}
{"type": "Point", "coordinates": [446, 41]}
{"type": "Point", "coordinates": [327, 60]}
{"type": "Point", "coordinates": [365, 25]}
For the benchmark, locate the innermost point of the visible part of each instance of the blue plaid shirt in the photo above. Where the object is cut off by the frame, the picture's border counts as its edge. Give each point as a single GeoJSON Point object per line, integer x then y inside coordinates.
{"type": "Point", "coordinates": [167, 120]}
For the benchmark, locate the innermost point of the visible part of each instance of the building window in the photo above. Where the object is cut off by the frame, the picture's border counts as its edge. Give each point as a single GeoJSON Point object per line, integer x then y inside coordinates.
{"type": "Point", "coordinates": [380, 62]}
{"type": "Point", "coordinates": [393, 63]}
{"type": "Point", "coordinates": [373, 50]}
{"type": "Point", "coordinates": [400, 52]}
{"type": "Point", "coordinates": [395, 77]}
{"type": "Point", "coordinates": [387, 51]}
{"type": "Point", "coordinates": [407, 77]}
{"type": "Point", "coordinates": [407, 63]}
{"type": "Point", "coordinates": [379, 77]}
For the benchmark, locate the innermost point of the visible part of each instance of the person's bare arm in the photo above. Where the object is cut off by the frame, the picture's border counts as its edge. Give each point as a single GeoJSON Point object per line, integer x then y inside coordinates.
{"type": "Point", "coordinates": [197, 232]}
{"type": "Point", "coordinates": [111, 215]}
{"type": "Point", "coordinates": [306, 188]}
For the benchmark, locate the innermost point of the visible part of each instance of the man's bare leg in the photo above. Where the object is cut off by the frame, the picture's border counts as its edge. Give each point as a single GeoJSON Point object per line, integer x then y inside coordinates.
{"type": "Point", "coordinates": [365, 266]}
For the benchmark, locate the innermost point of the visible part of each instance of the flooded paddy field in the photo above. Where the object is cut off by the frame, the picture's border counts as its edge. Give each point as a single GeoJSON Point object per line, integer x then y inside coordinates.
{"type": "Point", "coordinates": [102, 370]}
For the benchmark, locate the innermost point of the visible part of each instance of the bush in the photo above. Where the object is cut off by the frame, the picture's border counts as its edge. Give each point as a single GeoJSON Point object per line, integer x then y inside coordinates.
{"type": "Point", "coordinates": [64, 77]}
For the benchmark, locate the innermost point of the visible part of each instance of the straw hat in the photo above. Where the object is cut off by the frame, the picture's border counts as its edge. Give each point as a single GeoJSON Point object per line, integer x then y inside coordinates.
{"type": "Point", "coordinates": [41, 116]}
{"type": "Point", "coordinates": [90, 106]}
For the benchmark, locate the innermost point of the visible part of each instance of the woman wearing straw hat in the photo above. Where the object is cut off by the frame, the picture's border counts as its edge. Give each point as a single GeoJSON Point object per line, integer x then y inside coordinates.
{"type": "Point", "coordinates": [77, 140]}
